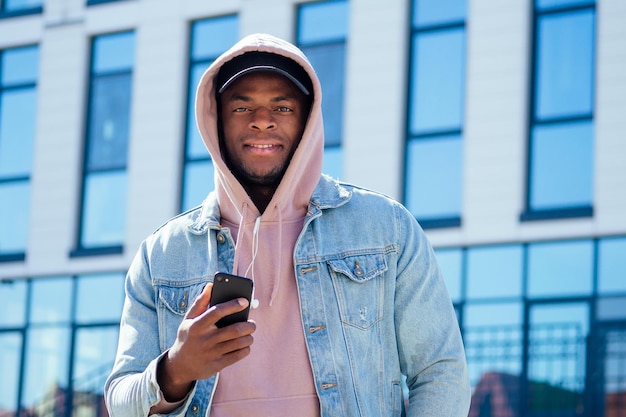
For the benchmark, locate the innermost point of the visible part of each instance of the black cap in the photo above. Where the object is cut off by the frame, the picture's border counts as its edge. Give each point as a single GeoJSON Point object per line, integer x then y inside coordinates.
{"type": "Point", "coordinates": [263, 61]}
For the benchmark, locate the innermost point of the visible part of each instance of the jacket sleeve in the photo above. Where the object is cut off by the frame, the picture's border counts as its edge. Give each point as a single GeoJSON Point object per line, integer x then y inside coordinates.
{"type": "Point", "coordinates": [429, 342]}
{"type": "Point", "coordinates": [132, 388]}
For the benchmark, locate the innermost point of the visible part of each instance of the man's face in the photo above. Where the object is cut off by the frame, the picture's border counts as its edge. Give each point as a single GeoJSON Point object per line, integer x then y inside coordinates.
{"type": "Point", "coordinates": [263, 116]}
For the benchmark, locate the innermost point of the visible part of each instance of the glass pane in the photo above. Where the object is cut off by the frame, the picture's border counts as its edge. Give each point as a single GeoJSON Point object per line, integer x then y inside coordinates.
{"type": "Point", "coordinates": [432, 12]}
{"type": "Point", "coordinates": [560, 268]}
{"type": "Point", "coordinates": [19, 65]}
{"type": "Point", "coordinates": [109, 122]}
{"type": "Point", "coordinates": [93, 361]}
{"type": "Point", "coordinates": [211, 37]}
{"type": "Point", "coordinates": [434, 177]}
{"type": "Point", "coordinates": [99, 298]}
{"type": "Point", "coordinates": [113, 52]}
{"type": "Point", "coordinates": [612, 308]}
{"type": "Point", "coordinates": [14, 216]}
{"type": "Point", "coordinates": [612, 265]}
{"type": "Point", "coordinates": [547, 4]}
{"type": "Point", "coordinates": [199, 182]}
{"type": "Point", "coordinates": [557, 351]}
{"type": "Point", "coordinates": [329, 63]}
{"type": "Point", "coordinates": [333, 161]}
{"type": "Point", "coordinates": [322, 22]}
{"type": "Point", "coordinates": [13, 304]}
{"type": "Point", "coordinates": [17, 131]}
{"type": "Point", "coordinates": [195, 144]}
{"type": "Point", "coordinates": [51, 300]}
{"type": "Point", "coordinates": [16, 5]}
{"type": "Point", "coordinates": [562, 166]}
{"type": "Point", "coordinates": [494, 271]}
{"type": "Point", "coordinates": [10, 353]}
{"type": "Point", "coordinates": [437, 81]}
{"type": "Point", "coordinates": [47, 354]}
{"type": "Point", "coordinates": [104, 215]}
{"type": "Point", "coordinates": [493, 344]}
{"type": "Point", "coordinates": [565, 64]}
{"type": "Point", "coordinates": [451, 264]}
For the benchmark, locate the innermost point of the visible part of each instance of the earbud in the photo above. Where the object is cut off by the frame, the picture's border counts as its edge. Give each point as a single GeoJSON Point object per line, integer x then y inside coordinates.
{"type": "Point", "coordinates": [254, 303]}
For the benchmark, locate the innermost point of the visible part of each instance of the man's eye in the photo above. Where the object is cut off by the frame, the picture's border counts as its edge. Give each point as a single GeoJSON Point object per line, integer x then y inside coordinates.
{"type": "Point", "coordinates": [240, 109]}
{"type": "Point", "coordinates": [283, 109]}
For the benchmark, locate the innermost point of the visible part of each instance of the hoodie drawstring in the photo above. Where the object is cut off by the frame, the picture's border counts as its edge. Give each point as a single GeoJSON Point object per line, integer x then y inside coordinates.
{"type": "Point", "coordinates": [280, 257]}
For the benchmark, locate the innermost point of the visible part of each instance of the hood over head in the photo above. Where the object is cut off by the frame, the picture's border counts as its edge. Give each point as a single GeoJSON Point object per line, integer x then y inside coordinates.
{"type": "Point", "coordinates": [272, 234]}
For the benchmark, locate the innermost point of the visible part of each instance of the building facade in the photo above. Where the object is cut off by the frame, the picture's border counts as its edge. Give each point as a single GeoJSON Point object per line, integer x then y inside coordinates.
{"type": "Point", "coordinates": [500, 125]}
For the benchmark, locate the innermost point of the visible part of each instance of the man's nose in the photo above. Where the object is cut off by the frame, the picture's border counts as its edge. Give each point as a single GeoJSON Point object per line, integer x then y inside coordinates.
{"type": "Point", "coordinates": [263, 119]}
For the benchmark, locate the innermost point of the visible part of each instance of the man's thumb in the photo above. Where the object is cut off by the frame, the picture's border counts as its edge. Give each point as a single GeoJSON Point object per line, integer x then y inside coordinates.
{"type": "Point", "coordinates": [201, 303]}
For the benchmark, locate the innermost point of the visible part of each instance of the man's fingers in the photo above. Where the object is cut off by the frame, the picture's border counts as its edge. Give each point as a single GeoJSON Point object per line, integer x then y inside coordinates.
{"type": "Point", "coordinates": [201, 303]}
{"type": "Point", "coordinates": [219, 311]}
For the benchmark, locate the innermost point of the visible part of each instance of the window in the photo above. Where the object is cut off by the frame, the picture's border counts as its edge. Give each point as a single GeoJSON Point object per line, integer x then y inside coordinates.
{"type": "Point", "coordinates": [18, 108]}
{"type": "Point", "coordinates": [209, 39]}
{"type": "Point", "coordinates": [322, 35]}
{"type": "Point", "coordinates": [434, 153]}
{"type": "Point", "coordinates": [561, 144]}
{"type": "Point", "coordinates": [58, 338]}
{"type": "Point", "coordinates": [10, 8]}
{"type": "Point", "coordinates": [103, 211]}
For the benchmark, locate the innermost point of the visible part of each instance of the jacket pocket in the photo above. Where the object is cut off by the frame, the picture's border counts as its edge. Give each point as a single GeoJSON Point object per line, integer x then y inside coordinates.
{"type": "Point", "coordinates": [173, 304]}
{"type": "Point", "coordinates": [359, 284]}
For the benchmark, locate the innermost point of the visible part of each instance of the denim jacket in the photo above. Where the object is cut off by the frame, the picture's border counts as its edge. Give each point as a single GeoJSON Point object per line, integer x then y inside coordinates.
{"type": "Point", "coordinates": [374, 307]}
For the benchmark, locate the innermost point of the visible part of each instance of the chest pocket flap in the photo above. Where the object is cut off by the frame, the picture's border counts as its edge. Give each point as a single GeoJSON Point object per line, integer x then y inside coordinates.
{"type": "Point", "coordinates": [360, 268]}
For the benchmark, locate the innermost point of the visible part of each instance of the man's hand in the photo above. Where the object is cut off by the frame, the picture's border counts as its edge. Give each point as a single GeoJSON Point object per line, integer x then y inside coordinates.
{"type": "Point", "coordinates": [201, 349]}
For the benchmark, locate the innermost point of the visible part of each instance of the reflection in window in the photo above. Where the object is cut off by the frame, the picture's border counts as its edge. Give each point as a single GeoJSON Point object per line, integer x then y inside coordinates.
{"type": "Point", "coordinates": [322, 35]}
{"type": "Point", "coordinates": [560, 268]}
{"type": "Point", "coordinates": [494, 271]}
{"type": "Point", "coordinates": [557, 358]}
{"type": "Point", "coordinates": [560, 157]}
{"type": "Point", "coordinates": [99, 298]}
{"type": "Point", "coordinates": [19, 7]}
{"type": "Point", "coordinates": [10, 349]}
{"type": "Point", "coordinates": [436, 107]}
{"type": "Point", "coordinates": [51, 301]}
{"type": "Point", "coordinates": [18, 107]}
{"type": "Point", "coordinates": [209, 39]}
{"type": "Point", "coordinates": [13, 305]}
{"type": "Point", "coordinates": [103, 216]}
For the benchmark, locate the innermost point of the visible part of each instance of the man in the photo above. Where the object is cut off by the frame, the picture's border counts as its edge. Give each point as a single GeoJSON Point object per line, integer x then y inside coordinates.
{"type": "Point", "coordinates": [350, 297]}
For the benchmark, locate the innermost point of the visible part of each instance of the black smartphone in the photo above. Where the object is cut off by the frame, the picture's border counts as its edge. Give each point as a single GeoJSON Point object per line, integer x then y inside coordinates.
{"type": "Point", "coordinates": [227, 287]}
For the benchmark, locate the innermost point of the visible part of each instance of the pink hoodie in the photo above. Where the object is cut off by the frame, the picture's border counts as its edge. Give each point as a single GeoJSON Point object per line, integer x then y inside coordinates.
{"type": "Point", "coordinates": [276, 378]}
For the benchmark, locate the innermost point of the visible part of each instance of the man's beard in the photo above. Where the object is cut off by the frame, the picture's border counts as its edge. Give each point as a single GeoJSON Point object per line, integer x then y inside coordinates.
{"type": "Point", "coordinates": [249, 177]}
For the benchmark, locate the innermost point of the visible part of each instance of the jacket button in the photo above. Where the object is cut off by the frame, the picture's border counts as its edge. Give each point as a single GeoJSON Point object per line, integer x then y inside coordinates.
{"type": "Point", "coordinates": [221, 238]}
{"type": "Point", "coordinates": [195, 408]}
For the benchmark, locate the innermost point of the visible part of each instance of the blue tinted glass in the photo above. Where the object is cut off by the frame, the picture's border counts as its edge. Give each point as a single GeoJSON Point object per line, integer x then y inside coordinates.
{"type": "Point", "coordinates": [19, 66]}
{"type": "Point", "coordinates": [17, 131]}
{"type": "Point", "coordinates": [114, 52]}
{"type": "Point", "coordinates": [93, 360]}
{"type": "Point", "coordinates": [211, 37]}
{"type": "Point", "coordinates": [51, 300]}
{"type": "Point", "coordinates": [199, 181]}
{"type": "Point", "coordinates": [437, 81]}
{"type": "Point", "coordinates": [548, 4]}
{"type": "Point", "coordinates": [450, 262]}
{"type": "Point", "coordinates": [565, 64]}
{"type": "Point", "coordinates": [109, 124]}
{"type": "Point", "coordinates": [611, 308]}
{"type": "Point", "coordinates": [12, 304]}
{"type": "Point", "coordinates": [560, 268]}
{"type": "Point", "coordinates": [14, 216]}
{"type": "Point", "coordinates": [10, 354]}
{"type": "Point", "coordinates": [104, 216]}
{"type": "Point", "coordinates": [329, 63]}
{"type": "Point", "coordinates": [333, 161]}
{"type": "Point", "coordinates": [494, 271]}
{"type": "Point", "coordinates": [434, 177]}
{"type": "Point", "coordinates": [432, 12]}
{"type": "Point", "coordinates": [16, 5]}
{"type": "Point", "coordinates": [493, 340]}
{"type": "Point", "coordinates": [195, 144]}
{"type": "Point", "coordinates": [561, 166]}
{"type": "Point", "coordinates": [612, 265]}
{"type": "Point", "coordinates": [99, 298]}
{"type": "Point", "coordinates": [323, 21]}
{"type": "Point", "coordinates": [47, 353]}
{"type": "Point", "coordinates": [557, 357]}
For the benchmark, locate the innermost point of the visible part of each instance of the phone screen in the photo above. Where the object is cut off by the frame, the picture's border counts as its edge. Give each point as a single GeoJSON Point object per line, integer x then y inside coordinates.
{"type": "Point", "coordinates": [227, 287]}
